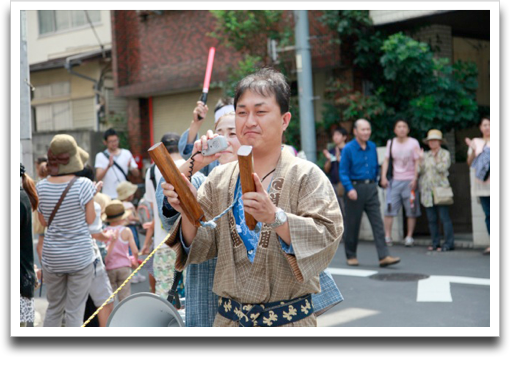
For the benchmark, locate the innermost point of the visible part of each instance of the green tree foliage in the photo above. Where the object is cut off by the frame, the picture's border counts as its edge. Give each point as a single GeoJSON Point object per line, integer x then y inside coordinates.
{"type": "Point", "coordinates": [248, 32]}
{"type": "Point", "coordinates": [408, 81]}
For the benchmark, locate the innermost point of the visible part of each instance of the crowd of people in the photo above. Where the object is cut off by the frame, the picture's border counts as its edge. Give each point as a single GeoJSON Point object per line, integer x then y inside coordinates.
{"type": "Point", "coordinates": [410, 177]}
{"type": "Point", "coordinates": [274, 274]}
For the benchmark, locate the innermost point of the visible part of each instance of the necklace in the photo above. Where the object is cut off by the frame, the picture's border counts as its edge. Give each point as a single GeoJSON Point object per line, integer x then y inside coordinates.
{"type": "Point", "coordinates": [267, 175]}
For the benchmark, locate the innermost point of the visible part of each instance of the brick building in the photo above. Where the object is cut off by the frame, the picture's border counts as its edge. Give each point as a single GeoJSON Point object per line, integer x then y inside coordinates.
{"type": "Point", "coordinates": [159, 62]}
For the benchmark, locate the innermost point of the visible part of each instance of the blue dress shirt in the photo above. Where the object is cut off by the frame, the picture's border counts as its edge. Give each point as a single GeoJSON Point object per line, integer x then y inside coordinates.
{"type": "Point", "coordinates": [357, 163]}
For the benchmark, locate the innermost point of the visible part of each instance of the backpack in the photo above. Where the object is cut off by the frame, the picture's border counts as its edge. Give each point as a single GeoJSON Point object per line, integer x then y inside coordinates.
{"type": "Point", "coordinates": [482, 164]}
{"type": "Point", "coordinates": [144, 209]}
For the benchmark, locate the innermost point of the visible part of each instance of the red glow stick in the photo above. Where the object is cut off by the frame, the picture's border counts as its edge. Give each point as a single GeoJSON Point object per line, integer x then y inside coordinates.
{"type": "Point", "coordinates": [207, 78]}
{"type": "Point", "coordinates": [209, 68]}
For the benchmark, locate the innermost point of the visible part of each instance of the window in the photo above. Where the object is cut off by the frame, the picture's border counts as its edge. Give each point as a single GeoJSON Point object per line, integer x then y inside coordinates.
{"type": "Point", "coordinates": [52, 90]}
{"type": "Point", "coordinates": [54, 116]}
{"type": "Point", "coordinates": [51, 21]}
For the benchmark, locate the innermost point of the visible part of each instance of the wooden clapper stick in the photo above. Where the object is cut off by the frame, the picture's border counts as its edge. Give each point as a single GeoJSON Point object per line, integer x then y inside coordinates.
{"type": "Point", "coordinates": [245, 164]}
{"type": "Point", "coordinates": [173, 176]}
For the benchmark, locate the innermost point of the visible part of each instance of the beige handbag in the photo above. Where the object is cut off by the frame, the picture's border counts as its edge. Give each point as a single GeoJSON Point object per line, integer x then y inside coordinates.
{"type": "Point", "coordinates": [442, 195]}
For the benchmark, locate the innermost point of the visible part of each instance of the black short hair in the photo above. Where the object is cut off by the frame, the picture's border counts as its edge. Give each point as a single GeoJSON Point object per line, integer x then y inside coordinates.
{"type": "Point", "coordinates": [340, 130]}
{"type": "Point", "coordinates": [87, 172]}
{"type": "Point", "coordinates": [266, 82]}
{"type": "Point", "coordinates": [482, 120]}
{"type": "Point", "coordinates": [400, 119]}
{"type": "Point", "coordinates": [171, 142]}
{"type": "Point", "coordinates": [108, 133]}
{"type": "Point", "coordinates": [225, 101]}
{"type": "Point", "coordinates": [41, 159]}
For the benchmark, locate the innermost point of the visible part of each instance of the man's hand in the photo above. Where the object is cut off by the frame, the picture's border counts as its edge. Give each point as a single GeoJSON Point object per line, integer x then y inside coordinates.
{"type": "Point", "coordinates": [352, 194]}
{"type": "Point", "coordinates": [201, 110]}
{"type": "Point", "coordinates": [110, 160]}
{"type": "Point", "coordinates": [259, 204]}
{"type": "Point", "coordinates": [326, 153]}
{"type": "Point", "coordinates": [173, 197]}
{"type": "Point", "coordinates": [195, 125]}
{"type": "Point", "coordinates": [189, 231]}
{"type": "Point", "coordinates": [201, 144]}
{"type": "Point", "coordinates": [413, 184]}
{"type": "Point", "coordinates": [384, 183]}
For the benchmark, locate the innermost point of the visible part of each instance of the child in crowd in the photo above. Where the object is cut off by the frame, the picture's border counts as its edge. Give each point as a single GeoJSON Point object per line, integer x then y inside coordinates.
{"type": "Point", "coordinates": [117, 261]}
{"type": "Point", "coordinates": [126, 193]}
{"type": "Point", "coordinates": [101, 289]}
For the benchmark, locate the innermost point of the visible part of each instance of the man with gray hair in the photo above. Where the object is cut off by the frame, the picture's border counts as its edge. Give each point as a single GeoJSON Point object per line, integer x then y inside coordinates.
{"type": "Point", "coordinates": [358, 173]}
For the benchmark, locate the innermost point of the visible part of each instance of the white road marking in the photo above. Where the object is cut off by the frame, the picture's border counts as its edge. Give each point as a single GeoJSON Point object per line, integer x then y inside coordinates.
{"type": "Point", "coordinates": [344, 316]}
{"type": "Point", "coordinates": [434, 289]}
{"type": "Point", "coordinates": [437, 288]}
{"type": "Point", "coordinates": [352, 272]}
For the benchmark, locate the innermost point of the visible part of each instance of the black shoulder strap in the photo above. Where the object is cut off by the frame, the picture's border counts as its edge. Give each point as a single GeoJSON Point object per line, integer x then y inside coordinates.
{"type": "Point", "coordinates": [152, 176]}
{"type": "Point", "coordinates": [115, 164]}
{"type": "Point", "coordinates": [71, 182]}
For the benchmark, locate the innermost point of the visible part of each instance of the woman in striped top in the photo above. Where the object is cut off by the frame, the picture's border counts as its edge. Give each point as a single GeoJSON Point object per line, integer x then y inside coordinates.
{"type": "Point", "coordinates": [67, 256]}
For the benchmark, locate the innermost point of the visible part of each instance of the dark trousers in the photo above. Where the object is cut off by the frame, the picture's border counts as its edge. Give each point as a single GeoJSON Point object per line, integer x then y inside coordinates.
{"type": "Point", "coordinates": [368, 202]}
{"type": "Point", "coordinates": [486, 206]}
{"type": "Point", "coordinates": [433, 214]}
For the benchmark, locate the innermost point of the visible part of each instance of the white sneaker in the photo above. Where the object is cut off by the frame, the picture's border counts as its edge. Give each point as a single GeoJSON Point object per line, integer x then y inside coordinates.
{"type": "Point", "coordinates": [135, 279]}
{"type": "Point", "coordinates": [138, 278]}
{"type": "Point", "coordinates": [141, 277]}
{"type": "Point", "coordinates": [389, 241]}
{"type": "Point", "coordinates": [408, 241]}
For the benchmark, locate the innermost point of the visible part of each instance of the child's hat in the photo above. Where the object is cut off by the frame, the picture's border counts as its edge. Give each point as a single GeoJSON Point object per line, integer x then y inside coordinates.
{"type": "Point", "coordinates": [125, 189]}
{"type": "Point", "coordinates": [115, 210]}
{"type": "Point", "coordinates": [103, 200]}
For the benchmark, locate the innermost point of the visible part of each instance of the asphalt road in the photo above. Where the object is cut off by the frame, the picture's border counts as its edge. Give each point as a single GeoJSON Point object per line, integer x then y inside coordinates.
{"type": "Point", "coordinates": [427, 289]}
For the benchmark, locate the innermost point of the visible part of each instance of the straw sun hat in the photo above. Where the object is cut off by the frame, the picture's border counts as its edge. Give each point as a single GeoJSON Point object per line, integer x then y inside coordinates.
{"type": "Point", "coordinates": [434, 134]}
{"type": "Point", "coordinates": [115, 210]}
{"type": "Point", "coordinates": [103, 200]}
{"type": "Point", "coordinates": [125, 189]}
{"type": "Point", "coordinates": [65, 156]}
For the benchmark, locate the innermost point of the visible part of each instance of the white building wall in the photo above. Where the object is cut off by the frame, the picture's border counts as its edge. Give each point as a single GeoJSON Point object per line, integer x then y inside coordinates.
{"type": "Point", "coordinates": [380, 17]}
{"type": "Point", "coordinates": [73, 41]}
{"type": "Point", "coordinates": [480, 235]}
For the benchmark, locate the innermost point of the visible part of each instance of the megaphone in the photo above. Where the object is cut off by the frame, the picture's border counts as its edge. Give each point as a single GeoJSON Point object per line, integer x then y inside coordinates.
{"type": "Point", "coordinates": [145, 310]}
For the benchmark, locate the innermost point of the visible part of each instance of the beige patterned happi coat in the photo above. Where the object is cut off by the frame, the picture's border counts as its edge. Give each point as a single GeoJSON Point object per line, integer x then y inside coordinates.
{"type": "Point", "coordinates": [305, 193]}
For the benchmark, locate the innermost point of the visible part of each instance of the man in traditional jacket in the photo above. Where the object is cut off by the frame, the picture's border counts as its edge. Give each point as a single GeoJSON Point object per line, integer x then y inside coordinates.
{"type": "Point", "coordinates": [263, 277]}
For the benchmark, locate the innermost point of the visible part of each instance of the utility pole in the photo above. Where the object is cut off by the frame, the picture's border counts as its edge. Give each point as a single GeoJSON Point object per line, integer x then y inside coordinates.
{"type": "Point", "coordinates": [26, 156]}
{"type": "Point", "coordinates": [305, 89]}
